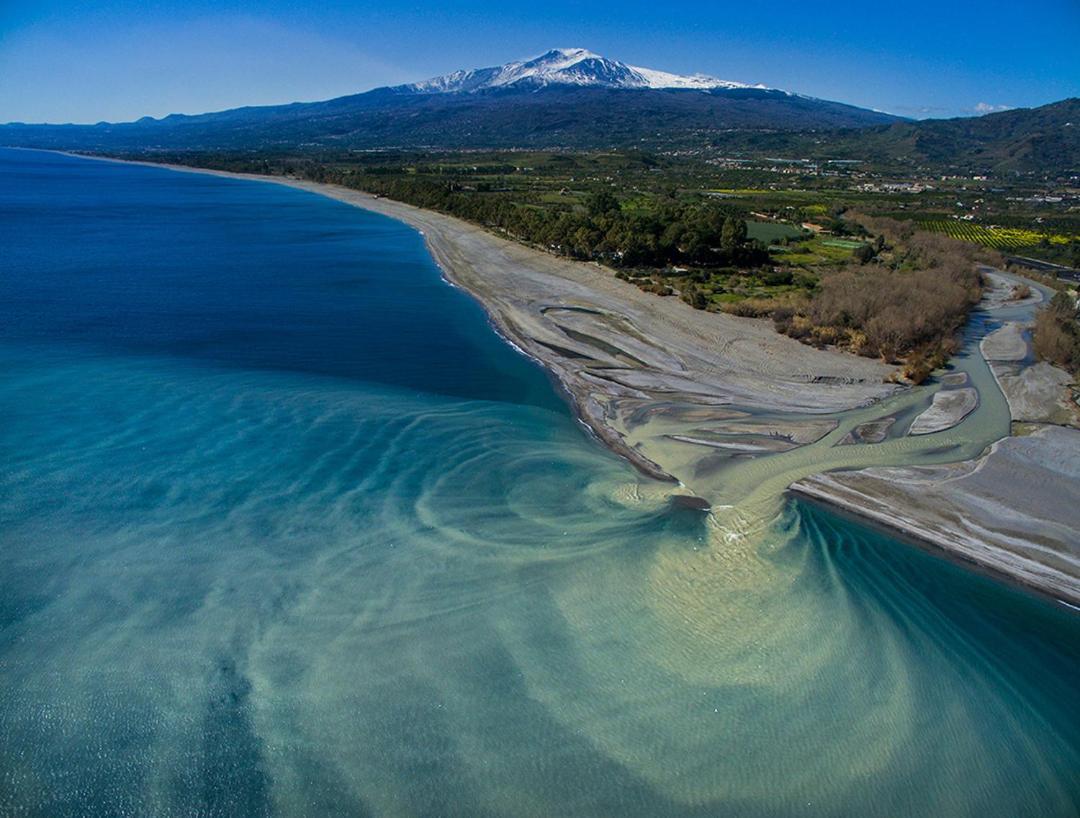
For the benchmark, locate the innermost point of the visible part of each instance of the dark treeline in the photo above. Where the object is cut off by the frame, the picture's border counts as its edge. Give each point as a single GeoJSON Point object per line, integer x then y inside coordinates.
{"type": "Point", "coordinates": [663, 232]}
{"type": "Point", "coordinates": [657, 232]}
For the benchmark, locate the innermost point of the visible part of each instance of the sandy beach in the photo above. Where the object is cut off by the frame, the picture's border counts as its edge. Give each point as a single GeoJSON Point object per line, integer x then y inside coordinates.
{"type": "Point", "coordinates": [626, 357]}
{"type": "Point", "coordinates": [685, 395]}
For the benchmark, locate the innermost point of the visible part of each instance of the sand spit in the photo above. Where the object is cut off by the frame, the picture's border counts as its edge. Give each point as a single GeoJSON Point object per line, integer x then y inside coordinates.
{"type": "Point", "coordinates": [617, 350]}
{"type": "Point", "coordinates": [1015, 511]}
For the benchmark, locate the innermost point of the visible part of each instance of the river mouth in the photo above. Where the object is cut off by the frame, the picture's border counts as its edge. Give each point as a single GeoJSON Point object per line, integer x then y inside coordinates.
{"type": "Point", "coordinates": [248, 590]}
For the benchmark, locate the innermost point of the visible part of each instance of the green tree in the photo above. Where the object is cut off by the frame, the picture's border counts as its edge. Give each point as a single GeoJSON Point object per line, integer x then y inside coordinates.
{"type": "Point", "coordinates": [601, 203]}
{"type": "Point", "coordinates": [732, 235]}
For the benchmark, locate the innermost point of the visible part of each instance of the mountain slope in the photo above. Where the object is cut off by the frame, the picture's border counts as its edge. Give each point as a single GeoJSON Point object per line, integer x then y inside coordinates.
{"type": "Point", "coordinates": [1024, 140]}
{"type": "Point", "coordinates": [548, 117]}
{"type": "Point", "coordinates": [1044, 141]}
{"type": "Point", "coordinates": [565, 66]}
{"type": "Point", "coordinates": [564, 98]}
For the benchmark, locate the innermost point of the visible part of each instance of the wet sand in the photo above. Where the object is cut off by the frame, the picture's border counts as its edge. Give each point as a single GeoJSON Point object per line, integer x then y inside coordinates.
{"type": "Point", "coordinates": [1015, 511]}
{"type": "Point", "coordinates": [630, 359]}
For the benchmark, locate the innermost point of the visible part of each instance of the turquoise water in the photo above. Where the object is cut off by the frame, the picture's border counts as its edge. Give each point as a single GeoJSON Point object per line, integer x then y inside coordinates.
{"type": "Point", "coordinates": [286, 529]}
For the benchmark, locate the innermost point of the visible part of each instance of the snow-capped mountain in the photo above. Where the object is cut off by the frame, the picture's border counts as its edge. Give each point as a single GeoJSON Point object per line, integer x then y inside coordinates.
{"type": "Point", "coordinates": [566, 98]}
{"type": "Point", "coordinates": [566, 66]}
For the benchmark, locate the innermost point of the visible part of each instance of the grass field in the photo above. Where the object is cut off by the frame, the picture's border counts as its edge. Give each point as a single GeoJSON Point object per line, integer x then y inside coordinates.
{"type": "Point", "coordinates": [1001, 238]}
{"type": "Point", "coordinates": [768, 232]}
{"type": "Point", "coordinates": [819, 251]}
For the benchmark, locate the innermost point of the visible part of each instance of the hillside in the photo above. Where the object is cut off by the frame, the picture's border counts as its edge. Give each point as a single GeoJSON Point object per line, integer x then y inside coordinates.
{"type": "Point", "coordinates": [1024, 140]}
{"type": "Point", "coordinates": [1044, 141]}
{"type": "Point", "coordinates": [574, 99]}
{"type": "Point", "coordinates": [565, 98]}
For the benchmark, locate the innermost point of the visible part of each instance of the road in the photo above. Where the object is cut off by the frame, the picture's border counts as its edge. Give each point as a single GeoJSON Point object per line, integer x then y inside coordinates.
{"type": "Point", "coordinates": [1067, 273]}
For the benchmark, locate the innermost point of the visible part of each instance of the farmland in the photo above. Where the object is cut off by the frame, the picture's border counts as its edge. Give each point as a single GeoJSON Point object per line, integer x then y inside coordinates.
{"type": "Point", "coordinates": [772, 232]}
{"type": "Point", "coordinates": [999, 238]}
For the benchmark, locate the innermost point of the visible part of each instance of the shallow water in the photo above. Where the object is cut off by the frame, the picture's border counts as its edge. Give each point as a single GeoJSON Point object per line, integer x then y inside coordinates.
{"type": "Point", "coordinates": [285, 528]}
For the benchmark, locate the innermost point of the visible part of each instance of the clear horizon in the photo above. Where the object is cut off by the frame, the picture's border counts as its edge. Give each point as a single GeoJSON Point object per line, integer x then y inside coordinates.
{"type": "Point", "coordinates": [61, 62]}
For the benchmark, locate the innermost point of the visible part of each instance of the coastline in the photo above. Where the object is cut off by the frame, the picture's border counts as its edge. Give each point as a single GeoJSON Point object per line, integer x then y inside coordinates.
{"type": "Point", "coordinates": [622, 357]}
{"type": "Point", "coordinates": [637, 368]}
{"type": "Point", "coordinates": [1008, 513]}
{"type": "Point", "coordinates": [910, 539]}
{"type": "Point", "coordinates": [281, 489]}
{"type": "Point", "coordinates": [1014, 511]}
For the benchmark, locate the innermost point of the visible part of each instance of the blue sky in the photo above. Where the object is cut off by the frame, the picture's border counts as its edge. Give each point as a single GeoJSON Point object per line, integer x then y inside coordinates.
{"type": "Point", "coordinates": [88, 61]}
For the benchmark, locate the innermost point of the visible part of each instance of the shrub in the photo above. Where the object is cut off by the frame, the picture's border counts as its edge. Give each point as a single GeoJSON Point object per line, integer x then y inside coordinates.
{"type": "Point", "coordinates": [1020, 292]}
{"type": "Point", "coordinates": [1057, 334]}
{"type": "Point", "coordinates": [909, 307]}
{"type": "Point", "coordinates": [751, 307]}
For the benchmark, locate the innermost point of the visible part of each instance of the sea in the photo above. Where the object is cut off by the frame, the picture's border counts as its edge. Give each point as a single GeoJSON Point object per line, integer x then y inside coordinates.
{"type": "Point", "coordinates": [286, 528]}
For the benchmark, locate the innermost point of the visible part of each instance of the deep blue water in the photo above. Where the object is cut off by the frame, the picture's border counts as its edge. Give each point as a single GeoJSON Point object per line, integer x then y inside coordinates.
{"type": "Point", "coordinates": [285, 528]}
{"type": "Point", "coordinates": [126, 261]}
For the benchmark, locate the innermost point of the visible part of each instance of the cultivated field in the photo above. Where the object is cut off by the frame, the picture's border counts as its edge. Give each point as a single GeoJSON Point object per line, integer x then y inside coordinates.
{"type": "Point", "coordinates": [1001, 238]}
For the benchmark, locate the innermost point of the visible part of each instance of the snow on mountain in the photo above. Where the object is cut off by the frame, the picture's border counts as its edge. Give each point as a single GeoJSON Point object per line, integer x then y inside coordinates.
{"type": "Point", "coordinates": [566, 66]}
{"type": "Point", "coordinates": [662, 79]}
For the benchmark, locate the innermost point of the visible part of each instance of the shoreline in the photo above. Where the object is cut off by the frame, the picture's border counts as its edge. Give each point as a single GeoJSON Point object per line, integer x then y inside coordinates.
{"type": "Point", "coordinates": [1012, 512]}
{"type": "Point", "coordinates": [637, 368]}
{"type": "Point", "coordinates": [449, 270]}
{"type": "Point", "coordinates": [965, 512]}
{"type": "Point", "coordinates": [620, 356]}
{"type": "Point", "coordinates": [909, 537]}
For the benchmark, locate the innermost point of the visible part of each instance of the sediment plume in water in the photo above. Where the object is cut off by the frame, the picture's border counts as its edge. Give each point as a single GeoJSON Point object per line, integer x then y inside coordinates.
{"type": "Point", "coordinates": [316, 583]}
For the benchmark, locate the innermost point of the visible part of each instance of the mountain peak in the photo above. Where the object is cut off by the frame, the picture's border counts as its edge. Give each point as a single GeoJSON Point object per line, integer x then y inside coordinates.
{"type": "Point", "coordinates": [566, 66]}
{"type": "Point", "coordinates": [569, 54]}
